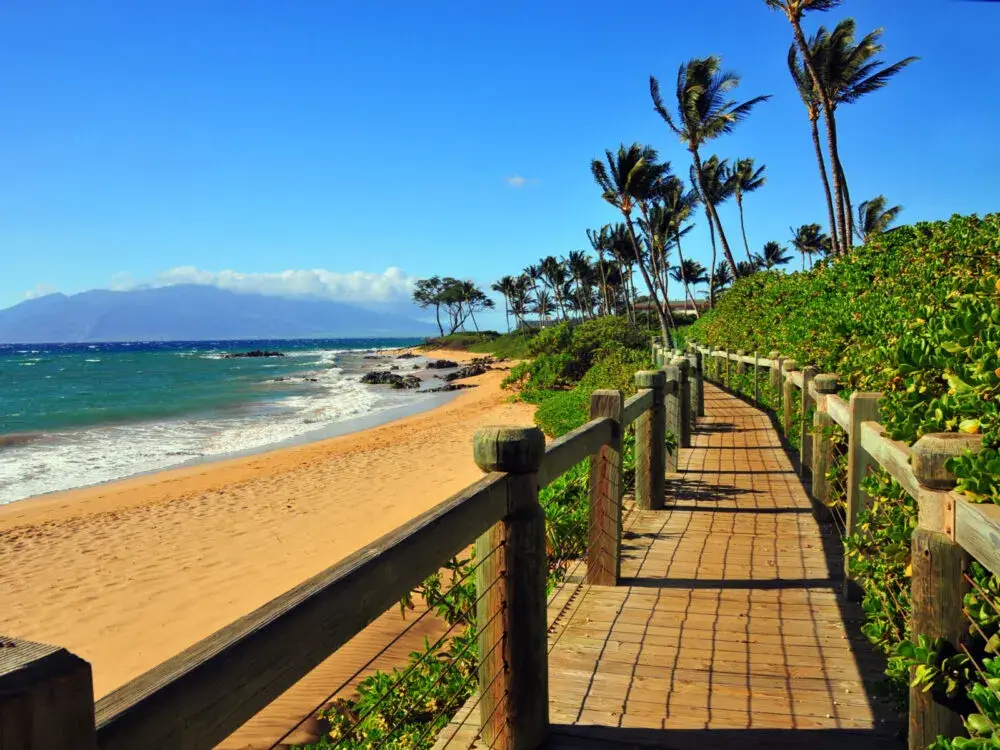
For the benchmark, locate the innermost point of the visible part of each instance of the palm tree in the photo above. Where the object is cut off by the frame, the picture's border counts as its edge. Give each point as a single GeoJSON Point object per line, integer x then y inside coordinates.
{"type": "Point", "coordinates": [704, 112]}
{"type": "Point", "coordinates": [624, 254]}
{"type": "Point", "coordinates": [579, 270]}
{"type": "Point", "coordinates": [657, 226]}
{"type": "Point", "coordinates": [746, 268]}
{"type": "Point", "coordinates": [874, 218]}
{"type": "Point", "coordinates": [553, 273]}
{"type": "Point", "coordinates": [794, 10]}
{"type": "Point", "coordinates": [679, 204]}
{"type": "Point", "coordinates": [746, 180]}
{"type": "Point", "coordinates": [773, 255]}
{"type": "Point", "coordinates": [811, 98]}
{"type": "Point", "coordinates": [632, 176]}
{"type": "Point", "coordinates": [690, 272]}
{"type": "Point", "coordinates": [717, 186]}
{"type": "Point", "coordinates": [600, 241]}
{"type": "Point", "coordinates": [848, 71]}
{"type": "Point", "coordinates": [723, 278]}
{"type": "Point", "coordinates": [543, 304]}
{"type": "Point", "coordinates": [810, 239]}
{"type": "Point", "coordinates": [519, 299]}
{"type": "Point", "coordinates": [506, 287]}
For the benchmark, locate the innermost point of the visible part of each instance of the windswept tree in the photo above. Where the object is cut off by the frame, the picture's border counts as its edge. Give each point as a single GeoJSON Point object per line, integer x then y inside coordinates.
{"type": "Point", "coordinates": [704, 112]}
{"type": "Point", "coordinates": [747, 178]}
{"type": "Point", "coordinates": [553, 273]}
{"type": "Point", "coordinates": [716, 187]}
{"type": "Point", "coordinates": [630, 177]}
{"type": "Point", "coordinates": [600, 241]}
{"type": "Point", "coordinates": [810, 239]}
{"type": "Point", "coordinates": [849, 70]}
{"type": "Point", "coordinates": [874, 218]}
{"type": "Point", "coordinates": [772, 255]}
{"type": "Point", "coordinates": [506, 287]}
{"type": "Point", "coordinates": [581, 272]}
{"type": "Point", "coordinates": [811, 98]}
{"type": "Point", "coordinates": [429, 293]}
{"type": "Point", "coordinates": [690, 272]}
{"type": "Point", "coordinates": [722, 280]}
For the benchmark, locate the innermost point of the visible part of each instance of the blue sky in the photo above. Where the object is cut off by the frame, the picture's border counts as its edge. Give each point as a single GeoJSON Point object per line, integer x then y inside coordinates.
{"type": "Point", "coordinates": [262, 137]}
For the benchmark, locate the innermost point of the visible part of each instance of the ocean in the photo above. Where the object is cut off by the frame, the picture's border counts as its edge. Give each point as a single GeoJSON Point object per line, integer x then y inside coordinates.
{"type": "Point", "coordinates": [73, 415]}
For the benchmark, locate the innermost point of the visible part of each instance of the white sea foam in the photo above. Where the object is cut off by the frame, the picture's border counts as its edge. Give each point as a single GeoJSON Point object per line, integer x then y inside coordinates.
{"type": "Point", "coordinates": [68, 459]}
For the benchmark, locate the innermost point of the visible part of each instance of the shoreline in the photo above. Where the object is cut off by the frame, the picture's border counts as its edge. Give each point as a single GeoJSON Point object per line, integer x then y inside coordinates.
{"type": "Point", "coordinates": [357, 423]}
{"type": "Point", "coordinates": [130, 573]}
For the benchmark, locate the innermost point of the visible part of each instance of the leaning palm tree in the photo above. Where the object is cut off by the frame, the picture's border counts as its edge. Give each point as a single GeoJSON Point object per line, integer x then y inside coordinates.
{"type": "Point", "coordinates": [505, 287]}
{"type": "Point", "coordinates": [847, 71]}
{"type": "Point", "coordinates": [543, 305]}
{"type": "Point", "coordinates": [690, 272]}
{"type": "Point", "coordinates": [679, 204]}
{"type": "Point", "coordinates": [717, 186]}
{"type": "Point", "coordinates": [553, 273]}
{"type": "Point", "coordinates": [632, 176]}
{"type": "Point", "coordinates": [746, 180]}
{"type": "Point", "coordinates": [600, 241]}
{"type": "Point", "coordinates": [810, 239]}
{"type": "Point", "coordinates": [772, 255]}
{"type": "Point", "coordinates": [874, 218]}
{"type": "Point", "coordinates": [704, 112]}
{"type": "Point", "coordinates": [579, 270]}
{"type": "Point", "coordinates": [794, 10]}
{"type": "Point", "coordinates": [811, 98]}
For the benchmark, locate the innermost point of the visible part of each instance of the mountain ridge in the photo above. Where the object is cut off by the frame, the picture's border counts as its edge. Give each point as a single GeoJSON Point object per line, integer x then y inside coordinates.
{"type": "Point", "coordinates": [193, 312]}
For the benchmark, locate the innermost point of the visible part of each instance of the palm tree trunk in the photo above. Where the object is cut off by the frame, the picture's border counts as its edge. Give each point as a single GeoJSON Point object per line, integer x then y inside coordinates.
{"type": "Point", "coordinates": [848, 208]}
{"type": "Point", "coordinates": [437, 317]}
{"type": "Point", "coordinates": [650, 285]}
{"type": "Point", "coordinates": [714, 215]}
{"type": "Point", "coordinates": [684, 280]}
{"type": "Point", "coordinates": [838, 185]}
{"type": "Point", "coordinates": [711, 277]}
{"type": "Point", "coordinates": [800, 40]}
{"type": "Point", "coordinates": [506, 311]}
{"type": "Point", "coordinates": [826, 183]}
{"type": "Point", "coordinates": [743, 229]}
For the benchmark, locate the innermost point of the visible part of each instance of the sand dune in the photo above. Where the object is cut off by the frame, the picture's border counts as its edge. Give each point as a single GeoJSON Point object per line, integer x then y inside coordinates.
{"type": "Point", "coordinates": [130, 573]}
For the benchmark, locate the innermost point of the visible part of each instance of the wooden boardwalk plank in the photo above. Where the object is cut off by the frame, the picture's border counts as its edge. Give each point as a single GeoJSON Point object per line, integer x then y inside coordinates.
{"type": "Point", "coordinates": [727, 629]}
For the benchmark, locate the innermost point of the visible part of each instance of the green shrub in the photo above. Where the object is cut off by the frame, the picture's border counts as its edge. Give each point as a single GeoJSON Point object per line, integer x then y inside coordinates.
{"type": "Point", "coordinates": [461, 341]}
{"type": "Point", "coordinates": [512, 345]}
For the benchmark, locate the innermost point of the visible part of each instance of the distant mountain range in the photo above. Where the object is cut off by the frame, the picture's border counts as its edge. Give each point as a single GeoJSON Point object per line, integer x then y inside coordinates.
{"type": "Point", "coordinates": [189, 312]}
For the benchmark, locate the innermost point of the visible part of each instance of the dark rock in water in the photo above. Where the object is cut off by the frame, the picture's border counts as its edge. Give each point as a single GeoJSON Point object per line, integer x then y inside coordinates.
{"type": "Point", "coordinates": [372, 356]}
{"type": "Point", "coordinates": [407, 381]}
{"type": "Point", "coordinates": [406, 355]}
{"type": "Point", "coordinates": [441, 364]}
{"type": "Point", "coordinates": [394, 367]}
{"type": "Point", "coordinates": [484, 361]}
{"type": "Point", "coordinates": [384, 377]}
{"type": "Point", "coordinates": [254, 353]}
{"type": "Point", "coordinates": [416, 367]}
{"type": "Point", "coordinates": [469, 371]}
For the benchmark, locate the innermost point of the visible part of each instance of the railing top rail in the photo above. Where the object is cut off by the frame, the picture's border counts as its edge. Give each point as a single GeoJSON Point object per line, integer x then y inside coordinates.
{"type": "Point", "coordinates": [635, 406]}
{"type": "Point", "coordinates": [567, 451]}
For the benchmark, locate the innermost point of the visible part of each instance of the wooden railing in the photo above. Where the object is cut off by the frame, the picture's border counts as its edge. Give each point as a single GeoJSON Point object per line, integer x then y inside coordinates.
{"type": "Point", "coordinates": [950, 530]}
{"type": "Point", "coordinates": [199, 697]}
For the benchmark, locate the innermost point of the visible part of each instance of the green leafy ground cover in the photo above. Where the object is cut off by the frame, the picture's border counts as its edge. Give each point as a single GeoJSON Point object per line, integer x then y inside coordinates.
{"type": "Point", "coordinates": [914, 314]}
{"type": "Point", "coordinates": [407, 707]}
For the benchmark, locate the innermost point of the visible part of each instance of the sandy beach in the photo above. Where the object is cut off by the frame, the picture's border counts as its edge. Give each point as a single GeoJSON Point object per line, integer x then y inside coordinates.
{"type": "Point", "coordinates": [128, 574]}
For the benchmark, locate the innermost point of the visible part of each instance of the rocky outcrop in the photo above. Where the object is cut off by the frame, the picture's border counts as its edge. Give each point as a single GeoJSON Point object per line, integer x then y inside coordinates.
{"type": "Point", "coordinates": [406, 355]}
{"type": "Point", "coordinates": [384, 377]}
{"type": "Point", "coordinates": [469, 371]}
{"type": "Point", "coordinates": [254, 353]}
{"type": "Point", "coordinates": [441, 364]}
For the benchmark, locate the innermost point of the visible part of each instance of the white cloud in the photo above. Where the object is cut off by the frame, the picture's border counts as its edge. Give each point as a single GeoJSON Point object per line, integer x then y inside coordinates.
{"type": "Point", "coordinates": [358, 286]}
{"type": "Point", "coordinates": [40, 290]}
{"type": "Point", "coordinates": [519, 181]}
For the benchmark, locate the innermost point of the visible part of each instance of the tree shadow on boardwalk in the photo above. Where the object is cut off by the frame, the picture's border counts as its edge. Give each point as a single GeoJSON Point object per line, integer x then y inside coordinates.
{"type": "Point", "coordinates": [587, 737]}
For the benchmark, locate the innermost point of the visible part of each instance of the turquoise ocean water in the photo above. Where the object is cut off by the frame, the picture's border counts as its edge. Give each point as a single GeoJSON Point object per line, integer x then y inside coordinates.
{"type": "Point", "coordinates": [77, 414]}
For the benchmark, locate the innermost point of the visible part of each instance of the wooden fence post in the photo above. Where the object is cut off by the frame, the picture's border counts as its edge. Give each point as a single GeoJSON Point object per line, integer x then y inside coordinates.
{"type": "Point", "coordinates": [514, 710]}
{"type": "Point", "coordinates": [787, 366]}
{"type": "Point", "coordinates": [822, 447]}
{"type": "Point", "coordinates": [673, 413]}
{"type": "Point", "coordinates": [805, 441]}
{"type": "Point", "coordinates": [864, 408]}
{"type": "Point", "coordinates": [650, 444]}
{"type": "Point", "coordinates": [741, 366]}
{"type": "Point", "coordinates": [685, 401]}
{"type": "Point", "coordinates": [46, 698]}
{"type": "Point", "coordinates": [937, 586]}
{"type": "Point", "coordinates": [775, 379]}
{"type": "Point", "coordinates": [756, 377]}
{"type": "Point", "coordinates": [697, 376]}
{"type": "Point", "coordinates": [604, 543]}
{"type": "Point", "coordinates": [729, 379]}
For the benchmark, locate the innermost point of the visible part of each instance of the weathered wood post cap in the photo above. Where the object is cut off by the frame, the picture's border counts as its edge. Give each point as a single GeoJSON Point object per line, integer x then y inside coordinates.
{"type": "Point", "coordinates": [681, 364]}
{"type": "Point", "coordinates": [929, 454]}
{"type": "Point", "coordinates": [654, 379]}
{"type": "Point", "coordinates": [826, 383]}
{"type": "Point", "coordinates": [789, 365]}
{"type": "Point", "coordinates": [517, 450]}
{"type": "Point", "coordinates": [774, 354]}
{"type": "Point", "coordinates": [741, 352]}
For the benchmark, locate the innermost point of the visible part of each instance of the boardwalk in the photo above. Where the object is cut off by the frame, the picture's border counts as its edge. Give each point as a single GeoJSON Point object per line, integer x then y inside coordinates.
{"type": "Point", "coordinates": [727, 629]}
